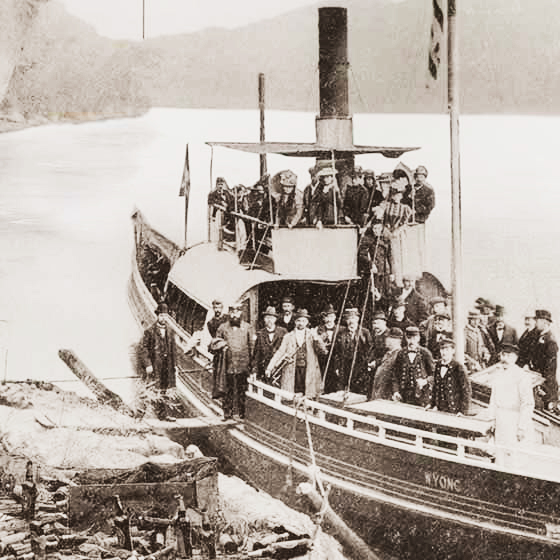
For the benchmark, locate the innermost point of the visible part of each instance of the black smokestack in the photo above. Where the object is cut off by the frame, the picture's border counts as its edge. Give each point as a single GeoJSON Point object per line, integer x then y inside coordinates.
{"type": "Point", "coordinates": [333, 62]}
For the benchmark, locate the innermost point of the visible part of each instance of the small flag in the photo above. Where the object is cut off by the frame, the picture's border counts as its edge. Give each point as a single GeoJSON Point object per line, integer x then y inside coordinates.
{"type": "Point", "coordinates": [186, 180]}
{"type": "Point", "coordinates": [436, 40]}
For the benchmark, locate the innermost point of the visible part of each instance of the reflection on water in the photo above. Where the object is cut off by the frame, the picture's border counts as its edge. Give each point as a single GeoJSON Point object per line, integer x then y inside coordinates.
{"type": "Point", "coordinates": [68, 191]}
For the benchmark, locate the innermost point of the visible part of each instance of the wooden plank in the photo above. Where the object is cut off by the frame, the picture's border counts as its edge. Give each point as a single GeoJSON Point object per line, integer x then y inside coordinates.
{"type": "Point", "coordinates": [92, 504]}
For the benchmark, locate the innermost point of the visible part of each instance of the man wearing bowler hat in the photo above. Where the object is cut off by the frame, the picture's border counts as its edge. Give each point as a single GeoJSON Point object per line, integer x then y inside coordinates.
{"type": "Point", "coordinates": [441, 330]}
{"type": "Point", "coordinates": [297, 359]}
{"type": "Point", "coordinates": [413, 371]}
{"type": "Point", "coordinates": [511, 407]}
{"type": "Point", "coordinates": [157, 356]}
{"type": "Point", "coordinates": [528, 341]}
{"type": "Point", "coordinates": [268, 341]}
{"type": "Point", "coordinates": [500, 333]}
{"type": "Point", "coordinates": [452, 388]}
{"type": "Point", "coordinates": [545, 359]}
{"type": "Point", "coordinates": [239, 339]}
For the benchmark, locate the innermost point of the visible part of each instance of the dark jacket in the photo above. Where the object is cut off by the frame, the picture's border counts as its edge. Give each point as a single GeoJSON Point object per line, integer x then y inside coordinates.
{"type": "Point", "coordinates": [424, 201]}
{"type": "Point", "coordinates": [321, 206]}
{"type": "Point", "coordinates": [544, 361]}
{"type": "Point", "coordinates": [406, 374]}
{"type": "Point", "coordinates": [416, 308]}
{"type": "Point", "coordinates": [432, 342]}
{"type": "Point", "coordinates": [345, 347]}
{"type": "Point", "coordinates": [527, 343]}
{"type": "Point", "coordinates": [452, 392]}
{"type": "Point", "coordinates": [159, 352]}
{"type": "Point", "coordinates": [240, 342]}
{"type": "Point", "coordinates": [509, 337]}
{"type": "Point", "coordinates": [214, 323]}
{"type": "Point", "coordinates": [289, 326]}
{"type": "Point", "coordinates": [265, 349]}
{"type": "Point", "coordinates": [355, 204]}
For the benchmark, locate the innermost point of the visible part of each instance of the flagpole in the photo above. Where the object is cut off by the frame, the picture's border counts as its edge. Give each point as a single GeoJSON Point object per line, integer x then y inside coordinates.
{"type": "Point", "coordinates": [261, 113]}
{"type": "Point", "coordinates": [456, 227]}
{"type": "Point", "coordinates": [186, 190]}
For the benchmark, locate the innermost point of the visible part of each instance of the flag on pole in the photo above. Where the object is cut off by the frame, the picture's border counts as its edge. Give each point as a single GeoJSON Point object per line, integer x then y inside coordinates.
{"type": "Point", "coordinates": [186, 180]}
{"type": "Point", "coordinates": [436, 40]}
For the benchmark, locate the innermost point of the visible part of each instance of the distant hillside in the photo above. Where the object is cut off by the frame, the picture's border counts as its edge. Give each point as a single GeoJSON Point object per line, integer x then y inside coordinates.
{"type": "Point", "coordinates": [508, 54]}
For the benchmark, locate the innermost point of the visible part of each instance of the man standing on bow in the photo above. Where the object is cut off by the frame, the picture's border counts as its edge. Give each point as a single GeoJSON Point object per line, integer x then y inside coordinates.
{"type": "Point", "coordinates": [268, 341]}
{"type": "Point", "coordinates": [297, 359]}
{"type": "Point", "coordinates": [157, 356]}
{"type": "Point", "coordinates": [545, 359]}
{"type": "Point", "coordinates": [452, 388]}
{"type": "Point", "coordinates": [239, 338]}
{"type": "Point", "coordinates": [420, 196]}
{"type": "Point", "coordinates": [413, 372]}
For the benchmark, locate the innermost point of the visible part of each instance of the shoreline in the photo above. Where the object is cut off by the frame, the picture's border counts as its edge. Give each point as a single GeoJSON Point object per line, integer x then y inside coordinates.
{"type": "Point", "coordinates": [14, 121]}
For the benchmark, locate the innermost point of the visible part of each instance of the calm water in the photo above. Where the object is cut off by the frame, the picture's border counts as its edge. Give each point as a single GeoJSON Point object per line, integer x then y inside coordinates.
{"type": "Point", "coordinates": [68, 192]}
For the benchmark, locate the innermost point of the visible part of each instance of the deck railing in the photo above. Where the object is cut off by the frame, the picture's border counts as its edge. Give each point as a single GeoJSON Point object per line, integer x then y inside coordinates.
{"type": "Point", "coordinates": [478, 451]}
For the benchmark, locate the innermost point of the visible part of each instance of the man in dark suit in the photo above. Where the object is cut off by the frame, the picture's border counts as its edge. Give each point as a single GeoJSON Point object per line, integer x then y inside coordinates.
{"type": "Point", "coordinates": [441, 331]}
{"type": "Point", "coordinates": [528, 341]}
{"type": "Point", "coordinates": [416, 309]}
{"type": "Point", "coordinates": [352, 350]}
{"type": "Point", "coordinates": [500, 333]}
{"type": "Point", "coordinates": [420, 196]}
{"type": "Point", "coordinates": [268, 341]}
{"type": "Point", "coordinates": [217, 319]}
{"type": "Point", "coordinates": [157, 356]}
{"type": "Point", "coordinates": [545, 359]}
{"type": "Point", "coordinates": [452, 388]}
{"type": "Point", "coordinates": [288, 317]}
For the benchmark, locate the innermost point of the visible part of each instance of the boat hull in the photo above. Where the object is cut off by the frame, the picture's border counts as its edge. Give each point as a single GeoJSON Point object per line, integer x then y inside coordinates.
{"type": "Point", "coordinates": [416, 504]}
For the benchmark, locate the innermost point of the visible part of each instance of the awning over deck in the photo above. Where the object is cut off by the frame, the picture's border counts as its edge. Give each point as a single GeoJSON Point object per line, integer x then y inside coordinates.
{"type": "Point", "coordinates": [312, 149]}
{"type": "Point", "coordinates": [204, 273]}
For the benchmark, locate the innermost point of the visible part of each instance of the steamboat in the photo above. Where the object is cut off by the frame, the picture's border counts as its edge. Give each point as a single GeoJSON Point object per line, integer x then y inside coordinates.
{"type": "Point", "coordinates": [419, 483]}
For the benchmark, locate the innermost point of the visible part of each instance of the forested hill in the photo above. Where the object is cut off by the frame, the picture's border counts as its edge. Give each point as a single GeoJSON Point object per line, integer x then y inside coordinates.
{"type": "Point", "coordinates": [509, 50]}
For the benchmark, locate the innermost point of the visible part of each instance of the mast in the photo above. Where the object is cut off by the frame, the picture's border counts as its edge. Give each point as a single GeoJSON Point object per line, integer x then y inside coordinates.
{"type": "Point", "coordinates": [262, 157]}
{"type": "Point", "coordinates": [456, 228]}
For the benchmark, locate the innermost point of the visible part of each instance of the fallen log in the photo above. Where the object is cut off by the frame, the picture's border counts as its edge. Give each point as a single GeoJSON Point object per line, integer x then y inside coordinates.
{"type": "Point", "coordinates": [285, 549]}
{"type": "Point", "coordinates": [82, 372]}
{"type": "Point", "coordinates": [354, 546]}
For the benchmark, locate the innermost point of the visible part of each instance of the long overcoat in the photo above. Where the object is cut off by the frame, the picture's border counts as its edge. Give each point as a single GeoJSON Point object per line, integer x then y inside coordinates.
{"type": "Point", "coordinates": [159, 352]}
{"type": "Point", "coordinates": [286, 355]}
{"type": "Point", "coordinates": [266, 348]}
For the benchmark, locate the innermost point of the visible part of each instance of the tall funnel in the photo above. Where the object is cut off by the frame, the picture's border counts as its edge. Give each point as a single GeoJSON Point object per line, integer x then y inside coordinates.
{"type": "Point", "coordinates": [334, 123]}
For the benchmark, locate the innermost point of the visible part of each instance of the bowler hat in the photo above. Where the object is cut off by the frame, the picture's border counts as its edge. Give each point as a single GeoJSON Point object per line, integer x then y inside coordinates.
{"type": "Point", "coordinates": [499, 311]}
{"type": "Point", "coordinates": [380, 315]}
{"type": "Point", "coordinates": [288, 299]}
{"type": "Point", "coordinates": [421, 170]}
{"type": "Point", "coordinates": [270, 311]}
{"type": "Point", "coordinates": [162, 308]}
{"type": "Point", "coordinates": [543, 314]}
{"type": "Point", "coordinates": [412, 331]}
{"type": "Point", "coordinates": [446, 342]}
{"type": "Point", "coordinates": [474, 313]}
{"type": "Point", "coordinates": [329, 310]}
{"type": "Point", "coordinates": [394, 332]}
{"type": "Point", "coordinates": [509, 348]}
{"type": "Point", "coordinates": [302, 313]}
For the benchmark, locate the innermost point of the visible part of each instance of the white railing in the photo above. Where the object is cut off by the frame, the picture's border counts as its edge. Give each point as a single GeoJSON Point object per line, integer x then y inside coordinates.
{"type": "Point", "coordinates": [543, 461]}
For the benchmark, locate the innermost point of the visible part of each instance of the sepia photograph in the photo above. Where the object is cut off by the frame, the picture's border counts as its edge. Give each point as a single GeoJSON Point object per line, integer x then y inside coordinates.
{"type": "Point", "coordinates": [277, 279]}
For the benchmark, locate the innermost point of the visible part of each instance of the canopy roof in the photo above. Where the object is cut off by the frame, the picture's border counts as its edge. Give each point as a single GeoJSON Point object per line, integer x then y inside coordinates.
{"type": "Point", "coordinates": [204, 273]}
{"type": "Point", "coordinates": [312, 149]}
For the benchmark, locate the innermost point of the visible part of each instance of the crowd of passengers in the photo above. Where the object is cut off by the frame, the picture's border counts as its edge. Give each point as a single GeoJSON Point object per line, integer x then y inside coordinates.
{"type": "Point", "coordinates": [392, 198]}
{"type": "Point", "coordinates": [407, 356]}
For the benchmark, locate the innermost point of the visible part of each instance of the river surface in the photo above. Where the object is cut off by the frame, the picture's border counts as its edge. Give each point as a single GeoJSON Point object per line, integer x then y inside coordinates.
{"type": "Point", "coordinates": [67, 193]}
